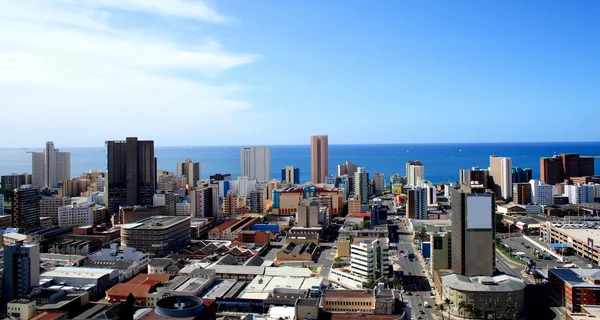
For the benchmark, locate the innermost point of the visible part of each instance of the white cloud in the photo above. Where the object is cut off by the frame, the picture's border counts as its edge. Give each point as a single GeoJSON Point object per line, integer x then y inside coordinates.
{"type": "Point", "coordinates": [61, 62]}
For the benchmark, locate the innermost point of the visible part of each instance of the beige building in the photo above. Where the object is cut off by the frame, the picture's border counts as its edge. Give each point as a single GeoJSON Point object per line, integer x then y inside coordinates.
{"type": "Point", "coordinates": [49, 207]}
{"type": "Point", "coordinates": [74, 187]}
{"type": "Point", "coordinates": [489, 295]}
{"type": "Point", "coordinates": [343, 250]}
{"type": "Point", "coordinates": [346, 301]}
{"type": "Point", "coordinates": [441, 251]}
{"type": "Point", "coordinates": [354, 205]}
{"type": "Point", "coordinates": [307, 214]}
{"type": "Point", "coordinates": [501, 175]}
{"type": "Point", "coordinates": [23, 309]}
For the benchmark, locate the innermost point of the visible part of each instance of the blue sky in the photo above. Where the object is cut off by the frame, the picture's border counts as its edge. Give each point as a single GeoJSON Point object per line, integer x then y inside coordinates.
{"type": "Point", "coordinates": [250, 72]}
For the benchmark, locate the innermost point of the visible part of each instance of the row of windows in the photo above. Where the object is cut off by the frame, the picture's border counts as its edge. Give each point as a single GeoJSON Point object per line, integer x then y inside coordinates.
{"type": "Point", "coordinates": [349, 303]}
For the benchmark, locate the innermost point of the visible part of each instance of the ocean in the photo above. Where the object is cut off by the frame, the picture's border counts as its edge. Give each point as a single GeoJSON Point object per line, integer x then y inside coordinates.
{"type": "Point", "coordinates": [442, 161]}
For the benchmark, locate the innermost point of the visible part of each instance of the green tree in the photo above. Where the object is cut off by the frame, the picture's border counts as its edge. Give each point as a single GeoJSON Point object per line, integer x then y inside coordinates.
{"type": "Point", "coordinates": [461, 307]}
{"type": "Point", "coordinates": [447, 302]}
{"type": "Point", "coordinates": [508, 312]}
{"type": "Point", "coordinates": [476, 313]}
{"type": "Point", "coordinates": [366, 224]}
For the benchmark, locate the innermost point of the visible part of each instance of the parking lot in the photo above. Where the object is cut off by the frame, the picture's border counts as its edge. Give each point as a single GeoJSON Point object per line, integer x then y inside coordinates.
{"type": "Point", "coordinates": [516, 243]}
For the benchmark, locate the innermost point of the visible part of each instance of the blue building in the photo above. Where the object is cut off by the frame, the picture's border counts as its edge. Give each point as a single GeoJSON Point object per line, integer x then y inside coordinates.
{"type": "Point", "coordinates": [21, 271]}
{"type": "Point", "coordinates": [520, 175]}
{"type": "Point", "coordinates": [290, 174]}
{"type": "Point", "coordinates": [273, 227]}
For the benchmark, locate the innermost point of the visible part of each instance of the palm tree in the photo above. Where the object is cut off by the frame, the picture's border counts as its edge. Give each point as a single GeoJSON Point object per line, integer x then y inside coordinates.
{"type": "Point", "coordinates": [461, 307]}
{"type": "Point", "coordinates": [476, 313]}
{"type": "Point", "coordinates": [447, 302]}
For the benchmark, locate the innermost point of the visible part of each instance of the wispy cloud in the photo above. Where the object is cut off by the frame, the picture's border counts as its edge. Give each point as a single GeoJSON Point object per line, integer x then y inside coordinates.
{"type": "Point", "coordinates": [64, 60]}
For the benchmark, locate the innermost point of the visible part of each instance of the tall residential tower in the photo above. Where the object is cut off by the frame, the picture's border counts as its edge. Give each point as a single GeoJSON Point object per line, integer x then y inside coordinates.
{"type": "Point", "coordinates": [49, 167]}
{"type": "Point", "coordinates": [319, 158]}
{"type": "Point", "coordinates": [255, 163]}
{"type": "Point", "coordinates": [501, 176]}
{"type": "Point", "coordinates": [191, 171]}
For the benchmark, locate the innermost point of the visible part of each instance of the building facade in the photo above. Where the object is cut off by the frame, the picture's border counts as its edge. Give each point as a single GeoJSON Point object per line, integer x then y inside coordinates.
{"type": "Point", "coordinates": [473, 233]}
{"type": "Point", "coordinates": [157, 235]}
{"type": "Point", "coordinates": [319, 155]}
{"type": "Point", "coordinates": [501, 176]}
{"type": "Point", "coordinates": [290, 175]}
{"type": "Point", "coordinates": [347, 168]}
{"type": "Point", "coordinates": [76, 214]}
{"type": "Point", "coordinates": [131, 173]}
{"type": "Point", "coordinates": [21, 271]}
{"type": "Point", "coordinates": [255, 163]}
{"type": "Point", "coordinates": [416, 203]}
{"type": "Point", "coordinates": [190, 170]}
{"type": "Point", "coordinates": [26, 210]}
{"type": "Point", "coordinates": [522, 193]}
{"type": "Point", "coordinates": [415, 172]}
{"type": "Point", "coordinates": [204, 201]}
{"type": "Point", "coordinates": [49, 167]}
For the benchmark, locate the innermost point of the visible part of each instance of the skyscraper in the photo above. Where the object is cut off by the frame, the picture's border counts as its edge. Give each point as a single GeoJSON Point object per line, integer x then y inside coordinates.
{"type": "Point", "coordinates": [26, 209]}
{"type": "Point", "coordinates": [319, 154]}
{"type": "Point", "coordinates": [255, 163]}
{"type": "Point", "coordinates": [562, 167]}
{"type": "Point", "coordinates": [204, 201]}
{"type": "Point", "coordinates": [501, 176]}
{"type": "Point", "coordinates": [289, 174]}
{"type": "Point", "coordinates": [21, 271]}
{"type": "Point", "coordinates": [130, 173]}
{"type": "Point", "coordinates": [378, 183]}
{"type": "Point", "coordinates": [50, 166]}
{"type": "Point", "coordinates": [415, 172]}
{"type": "Point", "coordinates": [473, 233]}
{"type": "Point", "coordinates": [361, 187]}
{"type": "Point", "coordinates": [416, 203]}
{"type": "Point", "coordinates": [189, 169]}
{"type": "Point", "coordinates": [348, 168]}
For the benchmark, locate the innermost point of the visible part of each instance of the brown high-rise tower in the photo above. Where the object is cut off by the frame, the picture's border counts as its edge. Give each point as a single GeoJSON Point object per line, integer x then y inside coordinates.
{"type": "Point", "coordinates": [130, 173]}
{"type": "Point", "coordinates": [319, 155]}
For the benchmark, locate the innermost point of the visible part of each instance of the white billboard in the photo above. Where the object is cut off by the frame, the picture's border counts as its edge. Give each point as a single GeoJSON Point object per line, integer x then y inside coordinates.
{"type": "Point", "coordinates": [479, 215]}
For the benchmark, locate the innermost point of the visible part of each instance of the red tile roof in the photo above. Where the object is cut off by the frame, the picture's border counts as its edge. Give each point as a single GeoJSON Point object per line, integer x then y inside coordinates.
{"type": "Point", "coordinates": [49, 315]}
{"type": "Point", "coordinates": [124, 289]}
{"type": "Point", "coordinates": [143, 278]}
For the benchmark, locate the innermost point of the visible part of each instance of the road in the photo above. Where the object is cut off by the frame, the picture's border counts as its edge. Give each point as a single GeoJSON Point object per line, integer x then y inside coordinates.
{"type": "Point", "coordinates": [415, 280]}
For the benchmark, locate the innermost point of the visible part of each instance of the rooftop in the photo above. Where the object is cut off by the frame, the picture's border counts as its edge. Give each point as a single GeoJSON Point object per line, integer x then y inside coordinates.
{"type": "Point", "coordinates": [76, 272]}
{"type": "Point", "coordinates": [156, 222]}
{"type": "Point", "coordinates": [335, 294]}
{"type": "Point", "coordinates": [577, 277]}
{"type": "Point", "coordinates": [219, 289]}
{"type": "Point", "coordinates": [501, 283]}
{"type": "Point", "coordinates": [145, 278]}
{"type": "Point", "coordinates": [124, 289]}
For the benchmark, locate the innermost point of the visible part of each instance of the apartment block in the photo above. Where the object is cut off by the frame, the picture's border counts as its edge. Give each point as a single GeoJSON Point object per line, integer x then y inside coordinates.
{"type": "Point", "coordinates": [49, 207]}
{"type": "Point", "coordinates": [76, 214]}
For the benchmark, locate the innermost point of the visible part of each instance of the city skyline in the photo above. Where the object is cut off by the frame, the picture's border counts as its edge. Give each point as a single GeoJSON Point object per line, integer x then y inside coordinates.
{"type": "Point", "coordinates": [440, 62]}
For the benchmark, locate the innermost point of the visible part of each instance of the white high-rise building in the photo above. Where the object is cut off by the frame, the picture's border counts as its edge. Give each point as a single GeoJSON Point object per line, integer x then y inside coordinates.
{"type": "Point", "coordinates": [245, 186]}
{"type": "Point", "coordinates": [501, 173]}
{"type": "Point", "coordinates": [204, 201]}
{"type": "Point", "coordinates": [76, 215]}
{"type": "Point", "coordinates": [430, 190]}
{"type": "Point", "coordinates": [541, 193]}
{"type": "Point", "coordinates": [415, 172]}
{"type": "Point", "coordinates": [49, 167]}
{"type": "Point", "coordinates": [361, 185]}
{"type": "Point", "coordinates": [580, 193]}
{"type": "Point", "coordinates": [256, 163]}
{"type": "Point", "coordinates": [378, 183]}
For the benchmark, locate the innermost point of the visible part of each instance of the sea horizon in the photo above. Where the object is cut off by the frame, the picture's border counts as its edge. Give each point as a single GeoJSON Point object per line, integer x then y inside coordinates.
{"type": "Point", "coordinates": [442, 161]}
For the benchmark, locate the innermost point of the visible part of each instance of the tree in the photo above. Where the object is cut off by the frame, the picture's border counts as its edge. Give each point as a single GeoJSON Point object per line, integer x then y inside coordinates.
{"type": "Point", "coordinates": [508, 312]}
{"type": "Point", "coordinates": [476, 313]}
{"type": "Point", "coordinates": [461, 307]}
{"type": "Point", "coordinates": [366, 224]}
{"type": "Point", "coordinates": [447, 302]}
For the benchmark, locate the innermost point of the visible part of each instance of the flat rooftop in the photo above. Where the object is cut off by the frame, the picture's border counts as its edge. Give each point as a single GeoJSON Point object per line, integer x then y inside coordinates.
{"type": "Point", "coordinates": [577, 277]}
{"type": "Point", "coordinates": [582, 234]}
{"type": "Point", "coordinates": [219, 289]}
{"type": "Point", "coordinates": [501, 283]}
{"type": "Point", "coordinates": [191, 285]}
{"type": "Point", "coordinates": [76, 272]}
{"type": "Point", "coordinates": [156, 222]}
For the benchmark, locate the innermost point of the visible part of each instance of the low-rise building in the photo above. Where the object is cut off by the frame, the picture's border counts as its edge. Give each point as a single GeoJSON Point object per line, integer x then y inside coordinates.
{"type": "Point", "coordinates": [23, 309]}
{"type": "Point", "coordinates": [76, 214]}
{"type": "Point", "coordinates": [493, 296]}
{"type": "Point", "coordinates": [231, 229]}
{"type": "Point", "coordinates": [306, 251]}
{"type": "Point", "coordinates": [576, 287]}
{"type": "Point", "coordinates": [157, 235]}
{"type": "Point", "coordinates": [348, 301]}
{"type": "Point", "coordinates": [96, 279]}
